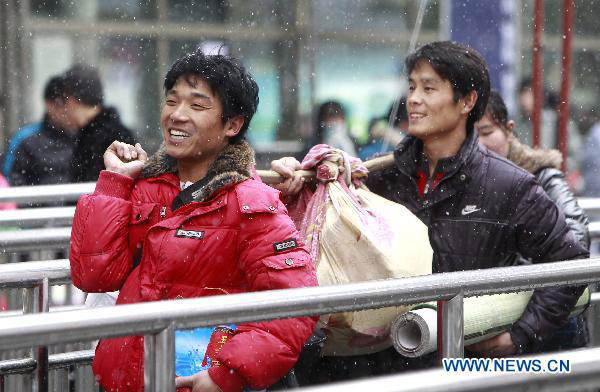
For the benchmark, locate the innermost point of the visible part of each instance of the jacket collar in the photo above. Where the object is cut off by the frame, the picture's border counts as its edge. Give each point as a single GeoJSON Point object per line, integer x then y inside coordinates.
{"type": "Point", "coordinates": [409, 156]}
{"type": "Point", "coordinates": [233, 165]}
{"type": "Point", "coordinates": [533, 160]}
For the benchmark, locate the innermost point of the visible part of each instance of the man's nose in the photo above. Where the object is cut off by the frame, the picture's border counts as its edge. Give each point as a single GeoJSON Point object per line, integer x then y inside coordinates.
{"type": "Point", "coordinates": [179, 114]}
{"type": "Point", "coordinates": [414, 97]}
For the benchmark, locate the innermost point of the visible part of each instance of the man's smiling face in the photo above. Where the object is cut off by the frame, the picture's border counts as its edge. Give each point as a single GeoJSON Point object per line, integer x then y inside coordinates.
{"type": "Point", "coordinates": [191, 121]}
{"type": "Point", "coordinates": [432, 110]}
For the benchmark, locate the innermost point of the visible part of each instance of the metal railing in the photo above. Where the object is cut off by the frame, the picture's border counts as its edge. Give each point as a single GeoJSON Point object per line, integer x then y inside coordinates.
{"type": "Point", "coordinates": [72, 192]}
{"type": "Point", "coordinates": [58, 272]}
{"type": "Point", "coordinates": [158, 320]}
{"type": "Point", "coordinates": [35, 278]}
{"type": "Point", "coordinates": [46, 193]}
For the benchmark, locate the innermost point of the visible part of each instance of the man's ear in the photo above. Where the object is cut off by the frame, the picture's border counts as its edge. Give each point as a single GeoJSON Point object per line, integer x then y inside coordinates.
{"type": "Point", "coordinates": [233, 126]}
{"type": "Point", "coordinates": [510, 126]}
{"type": "Point", "coordinates": [469, 101]}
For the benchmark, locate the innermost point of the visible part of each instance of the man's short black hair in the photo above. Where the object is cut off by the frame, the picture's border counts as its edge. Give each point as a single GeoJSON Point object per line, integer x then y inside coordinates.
{"type": "Point", "coordinates": [526, 83]}
{"type": "Point", "coordinates": [55, 89]}
{"type": "Point", "coordinates": [230, 81]}
{"type": "Point", "coordinates": [462, 66]}
{"type": "Point", "coordinates": [330, 109]}
{"type": "Point", "coordinates": [83, 83]}
{"type": "Point", "coordinates": [496, 108]}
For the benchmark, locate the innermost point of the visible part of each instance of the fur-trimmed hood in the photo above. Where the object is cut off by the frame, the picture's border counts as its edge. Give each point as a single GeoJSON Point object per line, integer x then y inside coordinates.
{"type": "Point", "coordinates": [234, 164]}
{"type": "Point", "coordinates": [533, 159]}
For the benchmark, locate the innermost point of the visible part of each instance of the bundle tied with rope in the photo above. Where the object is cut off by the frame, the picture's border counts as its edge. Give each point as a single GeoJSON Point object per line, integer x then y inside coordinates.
{"type": "Point", "coordinates": [354, 235]}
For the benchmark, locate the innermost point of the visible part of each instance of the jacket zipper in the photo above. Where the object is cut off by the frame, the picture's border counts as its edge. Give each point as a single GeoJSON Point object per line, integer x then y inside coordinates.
{"type": "Point", "coordinates": [163, 212]}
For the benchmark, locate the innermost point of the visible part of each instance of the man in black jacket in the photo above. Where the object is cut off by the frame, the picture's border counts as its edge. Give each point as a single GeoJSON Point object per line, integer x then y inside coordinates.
{"type": "Point", "coordinates": [479, 207]}
{"type": "Point", "coordinates": [99, 125]}
{"type": "Point", "coordinates": [43, 157]}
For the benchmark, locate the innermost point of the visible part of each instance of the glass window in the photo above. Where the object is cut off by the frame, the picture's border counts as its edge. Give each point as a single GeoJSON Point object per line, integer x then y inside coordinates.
{"type": "Point", "coordinates": [198, 11]}
{"type": "Point", "coordinates": [129, 73]}
{"type": "Point", "coordinates": [126, 9]}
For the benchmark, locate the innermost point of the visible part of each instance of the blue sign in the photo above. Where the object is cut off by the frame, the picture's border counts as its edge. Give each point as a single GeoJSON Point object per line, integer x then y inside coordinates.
{"type": "Point", "coordinates": [491, 28]}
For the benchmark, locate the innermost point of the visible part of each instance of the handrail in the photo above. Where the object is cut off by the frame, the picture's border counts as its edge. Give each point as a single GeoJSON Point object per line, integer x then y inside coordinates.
{"type": "Point", "coordinates": [159, 319]}
{"type": "Point", "coordinates": [72, 192]}
{"type": "Point", "coordinates": [46, 193]}
{"type": "Point", "coordinates": [30, 217]}
{"type": "Point", "coordinates": [584, 366]}
{"type": "Point", "coordinates": [60, 237]}
{"type": "Point", "coordinates": [31, 273]}
{"type": "Point", "coordinates": [591, 205]}
{"type": "Point", "coordinates": [64, 308]}
{"type": "Point", "coordinates": [55, 361]}
{"type": "Point", "coordinates": [35, 239]}
{"type": "Point", "coordinates": [152, 317]}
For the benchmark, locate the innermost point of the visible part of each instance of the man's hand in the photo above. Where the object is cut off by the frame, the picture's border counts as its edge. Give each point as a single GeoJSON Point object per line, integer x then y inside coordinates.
{"type": "Point", "coordinates": [125, 159]}
{"type": "Point", "coordinates": [293, 181]}
{"type": "Point", "coordinates": [498, 346]}
{"type": "Point", "coordinates": [199, 382]}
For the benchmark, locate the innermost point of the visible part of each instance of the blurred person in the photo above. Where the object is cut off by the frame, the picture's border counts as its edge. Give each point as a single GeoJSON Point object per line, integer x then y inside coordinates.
{"type": "Point", "coordinates": [381, 134]}
{"type": "Point", "coordinates": [191, 221]}
{"type": "Point", "coordinates": [5, 207]}
{"type": "Point", "coordinates": [479, 208]}
{"type": "Point", "coordinates": [332, 127]}
{"type": "Point", "coordinates": [41, 153]}
{"type": "Point", "coordinates": [549, 126]}
{"type": "Point", "coordinates": [495, 131]}
{"type": "Point", "coordinates": [98, 124]}
{"type": "Point", "coordinates": [526, 102]}
{"type": "Point", "coordinates": [590, 165]}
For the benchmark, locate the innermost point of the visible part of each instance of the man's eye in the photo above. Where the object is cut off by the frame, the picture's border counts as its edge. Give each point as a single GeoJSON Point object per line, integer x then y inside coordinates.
{"type": "Point", "coordinates": [170, 102]}
{"type": "Point", "coordinates": [411, 88]}
{"type": "Point", "coordinates": [429, 89]}
{"type": "Point", "coordinates": [198, 107]}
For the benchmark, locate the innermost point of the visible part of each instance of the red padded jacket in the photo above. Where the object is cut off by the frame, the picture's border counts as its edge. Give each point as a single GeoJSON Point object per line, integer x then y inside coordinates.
{"type": "Point", "coordinates": [231, 235]}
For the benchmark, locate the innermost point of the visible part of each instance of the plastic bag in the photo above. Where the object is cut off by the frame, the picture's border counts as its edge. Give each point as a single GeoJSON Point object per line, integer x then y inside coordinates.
{"type": "Point", "coordinates": [355, 235]}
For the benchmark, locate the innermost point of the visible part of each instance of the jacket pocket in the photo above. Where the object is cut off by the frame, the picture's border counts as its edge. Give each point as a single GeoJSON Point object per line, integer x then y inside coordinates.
{"type": "Point", "coordinates": [288, 270]}
{"type": "Point", "coordinates": [286, 261]}
{"type": "Point", "coordinates": [140, 213]}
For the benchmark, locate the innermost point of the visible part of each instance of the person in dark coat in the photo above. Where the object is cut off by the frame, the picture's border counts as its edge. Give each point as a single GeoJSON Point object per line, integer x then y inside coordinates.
{"type": "Point", "coordinates": [479, 207]}
{"type": "Point", "coordinates": [495, 131]}
{"type": "Point", "coordinates": [43, 156]}
{"type": "Point", "coordinates": [99, 125]}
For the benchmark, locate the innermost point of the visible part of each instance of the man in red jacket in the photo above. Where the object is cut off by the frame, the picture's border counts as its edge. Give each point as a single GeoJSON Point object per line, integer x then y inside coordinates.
{"type": "Point", "coordinates": [191, 221]}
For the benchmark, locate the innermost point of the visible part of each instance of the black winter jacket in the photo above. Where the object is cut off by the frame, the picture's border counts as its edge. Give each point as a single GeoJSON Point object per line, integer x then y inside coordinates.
{"type": "Point", "coordinates": [545, 166]}
{"type": "Point", "coordinates": [43, 158]}
{"type": "Point", "coordinates": [92, 142]}
{"type": "Point", "coordinates": [483, 210]}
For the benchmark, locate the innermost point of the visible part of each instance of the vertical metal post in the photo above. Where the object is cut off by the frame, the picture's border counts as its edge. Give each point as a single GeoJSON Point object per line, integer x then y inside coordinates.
{"type": "Point", "coordinates": [149, 363]}
{"type": "Point", "coordinates": [29, 306]}
{"type": "Point", "coordinates": [35, 300]}
{"type": "Point", "coordinates": [451, 328]}
{"type": "Point", "coordinates": [1, 383]}
{"type": "Point", "coordinates": [563, 112]}
{"type": "Point", "coordinates": [538, 71]}
{"type": "Point", "coordinates": [42, 351]}
{"type": "Point", "coordinates": [165, 359]}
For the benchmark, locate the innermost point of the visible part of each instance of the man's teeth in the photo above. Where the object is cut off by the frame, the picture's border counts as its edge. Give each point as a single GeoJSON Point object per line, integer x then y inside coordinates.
{"type": "Point", "coordinates": [178, 134]}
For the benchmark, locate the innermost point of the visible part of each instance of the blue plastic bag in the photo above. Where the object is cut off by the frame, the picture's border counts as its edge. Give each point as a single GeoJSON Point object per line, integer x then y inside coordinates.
{"type": "Point", "coordinates": [191, 346]}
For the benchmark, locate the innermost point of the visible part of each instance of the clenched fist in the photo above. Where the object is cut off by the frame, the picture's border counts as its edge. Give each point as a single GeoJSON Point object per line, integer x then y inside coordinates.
{"type": "Point", "coordinates": [125, 159]}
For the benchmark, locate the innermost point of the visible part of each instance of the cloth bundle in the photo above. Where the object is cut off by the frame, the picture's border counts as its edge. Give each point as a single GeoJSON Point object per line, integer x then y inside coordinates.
{"type": "Point", "coordinates": [354, 235]}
